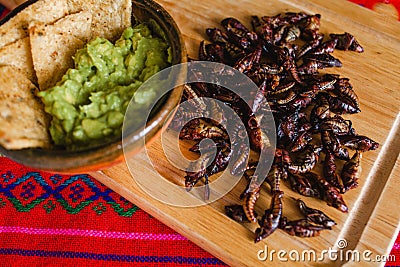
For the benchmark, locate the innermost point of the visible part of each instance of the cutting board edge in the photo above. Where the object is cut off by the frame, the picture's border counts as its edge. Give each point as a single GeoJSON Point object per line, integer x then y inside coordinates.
{"type": "Point", "coordinates": [392, 229]}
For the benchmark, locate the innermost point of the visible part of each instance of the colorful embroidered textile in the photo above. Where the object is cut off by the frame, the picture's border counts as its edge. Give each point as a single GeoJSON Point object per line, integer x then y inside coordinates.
{"type": "Point", "coordinates": [60, 220]}
{"type": "Point", "coordinates": [52, 219]}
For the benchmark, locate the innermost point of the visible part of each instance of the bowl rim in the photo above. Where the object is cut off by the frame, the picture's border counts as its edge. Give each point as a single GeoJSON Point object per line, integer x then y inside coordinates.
{"type": "Point", "coordinates": [103, 156]}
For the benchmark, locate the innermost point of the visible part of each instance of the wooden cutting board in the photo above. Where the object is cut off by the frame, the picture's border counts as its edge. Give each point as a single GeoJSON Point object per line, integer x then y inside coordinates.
{"type": "Point", "coordinates": [374, 217]}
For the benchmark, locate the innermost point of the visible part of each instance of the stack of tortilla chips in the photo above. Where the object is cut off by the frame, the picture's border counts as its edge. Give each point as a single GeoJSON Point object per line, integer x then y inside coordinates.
{"type": "Point", "coordinates": [36, 49]}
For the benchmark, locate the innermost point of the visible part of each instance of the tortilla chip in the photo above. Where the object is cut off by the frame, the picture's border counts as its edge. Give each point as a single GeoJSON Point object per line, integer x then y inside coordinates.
{"type": "Point", "coordinates": [52, 53]}
{"type": "Point", "coordinates": [110, 17]}
{"type": "Point", "coordinates": [45, 11]}
{"type": "Point", "coordinates": [18, 54]}
{"type": "Point", "coordinates": [23, 121]}
{"type": "Point", "coordinates": [78, 25]}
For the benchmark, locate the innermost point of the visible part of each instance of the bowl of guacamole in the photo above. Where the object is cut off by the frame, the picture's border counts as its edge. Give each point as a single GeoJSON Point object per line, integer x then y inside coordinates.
{"type": "Point", "coordinates": [86, 107]}
{"type": "Point", "coordinates": [89, 103]}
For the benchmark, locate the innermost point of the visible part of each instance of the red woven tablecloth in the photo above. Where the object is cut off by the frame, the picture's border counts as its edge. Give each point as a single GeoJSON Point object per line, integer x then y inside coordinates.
{"type": "Point", "coordinates": [60, 220]}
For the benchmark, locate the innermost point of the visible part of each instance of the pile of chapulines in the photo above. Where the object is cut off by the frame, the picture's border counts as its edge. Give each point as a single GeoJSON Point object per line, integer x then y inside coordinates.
{"type": "Point", "coordinates": [283, 55]}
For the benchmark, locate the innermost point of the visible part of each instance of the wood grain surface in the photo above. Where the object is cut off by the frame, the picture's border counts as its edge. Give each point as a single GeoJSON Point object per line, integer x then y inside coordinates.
{"type": "Point", "coordinates": [375, 77]}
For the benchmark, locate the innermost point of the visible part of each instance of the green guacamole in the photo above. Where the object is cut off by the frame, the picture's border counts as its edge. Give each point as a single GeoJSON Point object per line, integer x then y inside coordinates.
{"type": "Point", "coordinates": [89, 103]}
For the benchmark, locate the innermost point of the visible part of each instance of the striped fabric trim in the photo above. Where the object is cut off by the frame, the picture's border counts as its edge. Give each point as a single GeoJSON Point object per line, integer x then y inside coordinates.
{"type": "Point", "coordinates": [110, 257]}
{"type": "Point", "coordinates": [91, 233]}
